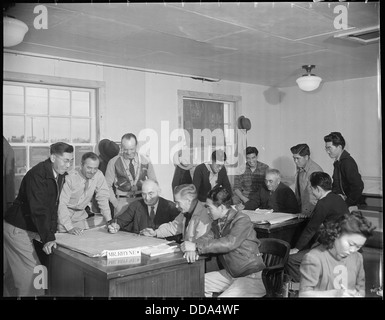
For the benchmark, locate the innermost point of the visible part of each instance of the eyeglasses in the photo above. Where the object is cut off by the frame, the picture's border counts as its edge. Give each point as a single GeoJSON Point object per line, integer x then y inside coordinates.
{"type": "Point", "coordinates": [328, 148]}
{"type": "Point", "coordinates": [66, 161]}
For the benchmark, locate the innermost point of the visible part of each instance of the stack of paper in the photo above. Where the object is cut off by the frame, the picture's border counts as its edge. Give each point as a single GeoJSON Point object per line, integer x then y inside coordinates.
{"type": "Point", "coordinates": [161, 249]}
{"type": "Point", "coordinates": [268, 216]}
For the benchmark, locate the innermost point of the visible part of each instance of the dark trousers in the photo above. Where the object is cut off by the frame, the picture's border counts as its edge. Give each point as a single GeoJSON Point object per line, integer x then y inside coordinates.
{"type": "Point", "coordinates": [293, 264]}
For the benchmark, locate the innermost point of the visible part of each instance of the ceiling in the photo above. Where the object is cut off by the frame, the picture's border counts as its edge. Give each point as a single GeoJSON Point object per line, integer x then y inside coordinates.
{"type": "Point", "coordinates": [263, 43]}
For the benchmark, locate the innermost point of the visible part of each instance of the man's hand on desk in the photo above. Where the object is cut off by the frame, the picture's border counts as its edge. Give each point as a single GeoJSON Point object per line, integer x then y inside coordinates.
{"type": "Point", "coordinates": [48, 246]}
{"type": "Point", "coordinates": [148, 232]}
{"type": "Point", "coordinates": [293, 251]}
{"type": "Point", "coordinates": [191, 256]}
{"type": "Point", "coordinates": [76, 231]}
{"type": "Point", "coordinates": [113, 227]}
{"type": "Point", "coordinates": [239, 207]}
{"type": "Point", "coordinates": [187, 246]}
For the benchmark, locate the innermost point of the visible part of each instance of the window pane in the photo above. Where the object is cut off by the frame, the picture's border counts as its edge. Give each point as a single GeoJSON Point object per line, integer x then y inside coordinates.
{"type": "Point", "coordinates": [81, 131]}
{"type": "Point", "coordinates": [37, 154]}
{"type": "Point", "coordinates": [36, 100]}
{"type": "Point", "coordinates": [59, 102]}
{"type": "Point", "coordinates": [59, 129]}
{"type": "Point", "coordinates": [20, 159]}
{"type": "Point", "coordinates": [13, 128]}
{"type": "Point", "coordinates": [37, 129]}
{"type": "Point", "coordinates": [80, 104]}
{"type": "Point", "coordinates": [13, 99]}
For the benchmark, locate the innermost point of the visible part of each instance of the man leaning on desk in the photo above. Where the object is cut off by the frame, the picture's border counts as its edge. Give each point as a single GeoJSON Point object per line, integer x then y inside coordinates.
{"type": "Point", "coordinates": [193, 220]}
{"type": "Point", "coordinates": [149, 212]}
{"type": "Point", "coordinates": [80, 186]}
{"type": "Point", "coordinates": [126, 172]}
{"type": "Point", "coordinates": [273, 195]}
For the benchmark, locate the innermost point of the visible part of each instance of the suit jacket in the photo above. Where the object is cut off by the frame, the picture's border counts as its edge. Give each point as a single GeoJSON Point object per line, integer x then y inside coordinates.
{"type": "Point", "coordinates": [202, 182]}
{"type": "Point", "coordinates": [35, 208]}
{"type": "Point", "coordinates": [281, 200]}
{"type": "Point", "coordinates": [137, 218]}
{"type": "Point", "coordinates": [328, 208]}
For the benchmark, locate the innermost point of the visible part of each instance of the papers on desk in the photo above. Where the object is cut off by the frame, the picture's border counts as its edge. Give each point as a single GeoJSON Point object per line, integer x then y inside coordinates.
{"type": "Point", "coordinates": [260, 216]}
{"type": "Point", "coordinates": [161, 249]}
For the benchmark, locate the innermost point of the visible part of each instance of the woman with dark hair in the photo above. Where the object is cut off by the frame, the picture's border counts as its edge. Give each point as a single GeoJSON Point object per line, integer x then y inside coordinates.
{"type": "Point", "coordinates": [335, 268]}
{"type": "Point", "coordinates": [233, 238]}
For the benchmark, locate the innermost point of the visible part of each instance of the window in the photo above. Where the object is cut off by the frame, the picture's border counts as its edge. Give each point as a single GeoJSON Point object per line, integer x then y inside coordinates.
{"type": "Point", "coordinates": [209, 121]}
{"type": "Point", "coordinates": [35, 116]}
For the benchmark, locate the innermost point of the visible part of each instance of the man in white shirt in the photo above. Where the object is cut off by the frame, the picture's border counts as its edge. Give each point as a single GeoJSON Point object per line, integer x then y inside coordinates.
{"type": "Point", "coordinates": [80, 186]}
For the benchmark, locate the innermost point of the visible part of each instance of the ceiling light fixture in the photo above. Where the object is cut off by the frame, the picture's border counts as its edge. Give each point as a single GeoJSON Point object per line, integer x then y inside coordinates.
{"type": "Point", "coordinates": [308, 82]}
{"type": "Point", "coordinates": [13, 31]}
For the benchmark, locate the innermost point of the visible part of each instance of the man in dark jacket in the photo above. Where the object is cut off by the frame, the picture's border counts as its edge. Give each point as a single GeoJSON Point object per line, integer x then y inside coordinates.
{"type": "Point", "coordinates": [274, 195]}
{"type": "Point", "coordinates": [33, 215]}
{"type": "Point", "coordinates": [347, 180]}
{"type": "Point", "coordinates": [329, 207]}
{"type": "Point", "coordinates": [208, 175]}
{"type": "Point", "coordinates": [149, 212]}
{"type": "Point", "coordinates": [233, 238]}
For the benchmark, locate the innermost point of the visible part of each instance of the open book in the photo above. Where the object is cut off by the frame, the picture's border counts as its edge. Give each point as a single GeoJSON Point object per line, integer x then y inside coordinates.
{"type": "Point", "coordinates": [161, 249]}
{"type": "Point", "coordinates": [268, 216]}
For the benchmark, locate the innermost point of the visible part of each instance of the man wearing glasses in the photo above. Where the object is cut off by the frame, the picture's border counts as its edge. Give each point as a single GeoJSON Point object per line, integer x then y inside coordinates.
{"type": "Point", "coordinates": [33, 215]}
{"type": "Point", "coordinates": [126, 173]}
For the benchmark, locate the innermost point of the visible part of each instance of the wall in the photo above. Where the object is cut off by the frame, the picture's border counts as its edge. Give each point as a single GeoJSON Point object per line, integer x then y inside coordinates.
{"type": "Point", "coordinates": [280, 118]}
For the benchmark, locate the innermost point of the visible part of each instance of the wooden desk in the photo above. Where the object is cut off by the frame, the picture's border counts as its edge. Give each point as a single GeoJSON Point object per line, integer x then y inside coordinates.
{"type": "Point", "coordinates": [72, 274]}
{"type": "Point", "coordinates": [288, 230]}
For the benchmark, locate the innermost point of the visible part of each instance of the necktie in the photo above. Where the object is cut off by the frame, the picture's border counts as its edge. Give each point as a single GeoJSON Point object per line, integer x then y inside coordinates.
{"type": "Point", "coordinates": [59, 181]}
{"type": "Point", "coordinates": [298, 186]}
{"type": "Point", "coordinates": [152, 214]}
{"type": "Point", "coordinates": [132, 169]}
{"type": "Point", "coordinates": [86, 186]}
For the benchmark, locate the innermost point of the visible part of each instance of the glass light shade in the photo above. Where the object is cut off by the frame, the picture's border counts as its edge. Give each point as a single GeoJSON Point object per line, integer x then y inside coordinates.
{"type": "Point", "coordinates": [308, 82]}
{"type": "Point", "coordinates": [13, 31]}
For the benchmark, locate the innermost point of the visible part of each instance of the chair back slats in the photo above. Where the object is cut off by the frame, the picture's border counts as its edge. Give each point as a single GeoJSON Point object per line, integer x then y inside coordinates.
{"type": "Point", "coordinates": [275, 252]}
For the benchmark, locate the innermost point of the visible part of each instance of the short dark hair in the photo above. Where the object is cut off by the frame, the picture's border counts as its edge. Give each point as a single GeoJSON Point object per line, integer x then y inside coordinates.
{"type": "Point", "coordinates": [60, 148]}
{"type": "Point", "coordinates": [89, 155]}
{"type": "Point", "coordinates": [302, 149]}
{"type": "Point", "coordinates": [218, 155]}
{"type": "Point", "coordinates": [186, 190]}
{"type": "Point", "coordinates": [129, 136]}
{"type": "Point", "coordinates": [321, 179]}
{"type": "Point", "coordinates": [336, 139]}
{"type": "Point", "coordinates": [219, 195]}
{"type": "Point", "coordinates": [351, 223]}
{"type": "Point", "coordinates": [250, 150]}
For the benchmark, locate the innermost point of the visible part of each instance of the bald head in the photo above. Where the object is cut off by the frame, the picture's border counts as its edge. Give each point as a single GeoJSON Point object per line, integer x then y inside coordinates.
{"type": "Point", "coordinates": [150, 192]}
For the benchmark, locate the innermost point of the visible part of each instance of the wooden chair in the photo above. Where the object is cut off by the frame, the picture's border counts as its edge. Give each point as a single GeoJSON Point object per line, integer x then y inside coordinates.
{"type": "Point", "coordinates": [275, 253]}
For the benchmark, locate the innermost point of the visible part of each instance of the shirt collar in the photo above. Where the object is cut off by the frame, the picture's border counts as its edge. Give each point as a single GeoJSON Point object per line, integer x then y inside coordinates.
{"type": "Point", "coordinates": [155, 206]}
{"type": "Point", "coordinates": [55, 174]}
{"type": "Point", "coordinates": [325, 194]}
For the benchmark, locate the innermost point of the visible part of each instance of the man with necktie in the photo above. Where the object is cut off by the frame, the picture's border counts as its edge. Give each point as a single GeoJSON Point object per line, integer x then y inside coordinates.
{"type": "Point", "coordinates": [305, 167]}
{"type": "Point", "coordinates": [33, 215]}
{"type": "Point", "coordinates": [126, 172]}
{"type": "Point", "coordinates": [80, 187]}
{"type": "Point", "coordinates": [149, 212]}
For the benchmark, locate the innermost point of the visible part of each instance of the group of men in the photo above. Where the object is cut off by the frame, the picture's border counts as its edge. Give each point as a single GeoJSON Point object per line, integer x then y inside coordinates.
{"type": "Point", "coordinates": [53, 198]}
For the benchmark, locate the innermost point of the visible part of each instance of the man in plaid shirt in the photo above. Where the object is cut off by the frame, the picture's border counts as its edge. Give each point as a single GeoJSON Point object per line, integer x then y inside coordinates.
{"type": "Point", "coordinates": [250, 181]}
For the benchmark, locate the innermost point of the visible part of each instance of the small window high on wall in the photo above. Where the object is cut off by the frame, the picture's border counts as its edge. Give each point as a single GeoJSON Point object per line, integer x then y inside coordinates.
{"type": "Point", "coordinates": [209, 121]}
{"type": "Point", "coordinates": [35, 116]}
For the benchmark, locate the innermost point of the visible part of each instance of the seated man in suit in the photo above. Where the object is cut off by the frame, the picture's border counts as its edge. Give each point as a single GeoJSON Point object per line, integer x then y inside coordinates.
{"type": "Point", "coordinates": [329, 207]}
{"type": "Point", "coordinates": [275, 195]}
{"type": "Point", "coordinates": [208, 175]}
{"type": "Point", "coordinates": [149, 212]}
{"type": "Point", "coordinates": [193, 220]}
